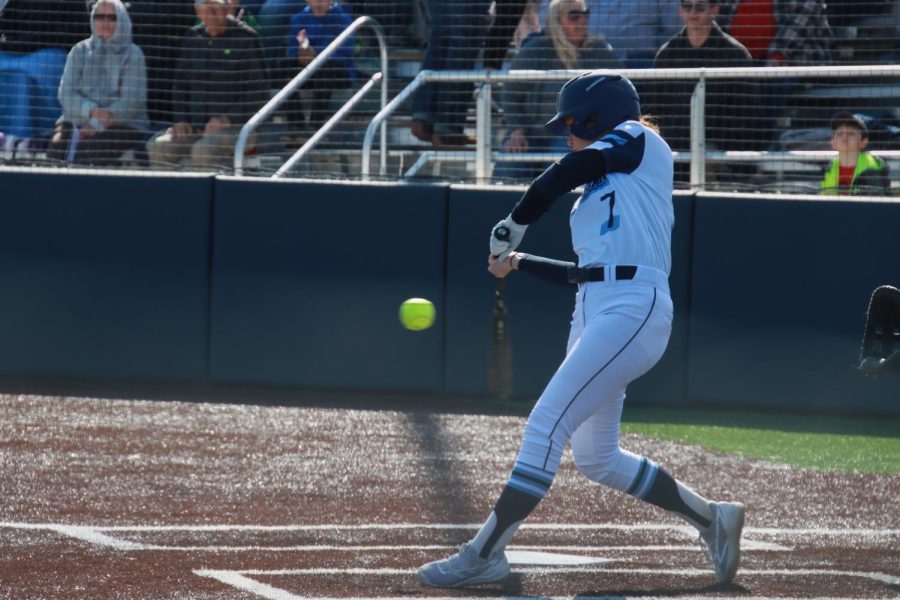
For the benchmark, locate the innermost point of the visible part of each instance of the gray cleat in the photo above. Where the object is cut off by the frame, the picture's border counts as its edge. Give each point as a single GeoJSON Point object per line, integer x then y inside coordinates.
{"type": "Point", "coordinates": [721, 541]}
{"type": "Point", "coordinates": [465, 568]}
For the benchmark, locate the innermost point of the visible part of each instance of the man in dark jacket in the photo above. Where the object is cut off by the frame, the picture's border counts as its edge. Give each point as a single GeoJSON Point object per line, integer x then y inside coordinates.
{"type": "Point", "coordinates": [731, 105]}
{"type": "Point", "coordinates": [221, 82]}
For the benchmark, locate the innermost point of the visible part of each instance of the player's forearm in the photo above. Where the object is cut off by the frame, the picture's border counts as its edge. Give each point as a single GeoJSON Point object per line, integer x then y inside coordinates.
{"type": "Point", "coordinates": [548, 269]}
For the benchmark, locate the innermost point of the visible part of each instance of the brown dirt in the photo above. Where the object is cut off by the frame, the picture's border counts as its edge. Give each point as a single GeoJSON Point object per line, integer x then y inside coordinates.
{"type": "Point", "coordinates": [99, 463]}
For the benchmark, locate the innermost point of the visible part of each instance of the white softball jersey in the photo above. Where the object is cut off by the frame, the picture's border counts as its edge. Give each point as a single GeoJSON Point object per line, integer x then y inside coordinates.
{"type": "Point", "coordinates": [626, 217]}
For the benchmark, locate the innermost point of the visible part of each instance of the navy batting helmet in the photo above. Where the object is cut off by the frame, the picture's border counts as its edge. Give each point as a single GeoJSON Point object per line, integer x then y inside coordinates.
{"type": "Point", "coordinates": [593, 103]}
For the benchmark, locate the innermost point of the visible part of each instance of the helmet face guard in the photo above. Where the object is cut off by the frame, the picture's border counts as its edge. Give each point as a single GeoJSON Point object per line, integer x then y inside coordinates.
{"type": "Point", "coordinates": [592, 103]}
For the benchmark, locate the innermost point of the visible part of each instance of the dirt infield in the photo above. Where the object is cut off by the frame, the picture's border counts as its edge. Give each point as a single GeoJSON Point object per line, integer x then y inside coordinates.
{"type": "Point", "coordinates": [143, 499]}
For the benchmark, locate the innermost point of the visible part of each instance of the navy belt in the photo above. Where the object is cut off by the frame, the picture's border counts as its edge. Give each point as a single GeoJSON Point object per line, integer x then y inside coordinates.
{"type": "Point", "coordinates": [577, 275]}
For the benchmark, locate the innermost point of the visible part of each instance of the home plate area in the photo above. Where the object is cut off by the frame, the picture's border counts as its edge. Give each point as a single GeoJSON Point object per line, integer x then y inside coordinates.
{"type": "Point", "coordinates": [332, 561]}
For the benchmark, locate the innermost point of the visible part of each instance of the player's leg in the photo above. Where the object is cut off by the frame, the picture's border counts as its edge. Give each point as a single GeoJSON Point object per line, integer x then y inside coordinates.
{"type": "Point", "coordinates": [468, 566]}
{"type": "Point", "coordinates": [610, 351]}
{"type": "Point", "coordinates": [598, 456]}
{"type": "Point", "coordinates": [595, 446]}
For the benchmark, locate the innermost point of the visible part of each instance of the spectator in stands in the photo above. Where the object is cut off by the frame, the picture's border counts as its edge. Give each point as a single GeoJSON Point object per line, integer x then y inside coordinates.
{"type": "Point", "coordinates": [509, 18]}
{"type": "Point", "coordinates": [854, 171]}
{"type": "Point", "coordinates": [779, 32]}
{"type": "Point", "coordinates": [103, 92]}
{"type": "Point", "coordinates": [731, 105]}
{"type": "Point", "coordinates": [529, 24]}
{"type": "Point", "coordinates": [157, 28]}
{"type": "Point", "coordinates": [564, 45]}
{"type": "Point", "coordinates": [243, 15]}
{"type": "Point", "coordinates": [439, 109]}
{"type": "Point", "coordinates": [634, 28]}
{"type": "Point", "coordinates": [35, 36]}
{"type": "Point", "coordinates": [312, 30]}
{"type": "Point", "coordinates": [221, 82]}
{"type": "Point", "coordinates": [274, 18]}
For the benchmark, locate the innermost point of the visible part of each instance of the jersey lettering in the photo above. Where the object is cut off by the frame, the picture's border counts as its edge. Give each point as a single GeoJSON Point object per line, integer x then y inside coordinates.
{"type": "Point", "coordinates": [596, 185]}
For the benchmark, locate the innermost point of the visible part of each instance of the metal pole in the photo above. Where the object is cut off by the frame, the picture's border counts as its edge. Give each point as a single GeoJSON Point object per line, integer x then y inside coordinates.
{"type": "Point", "coordinates": [483, 133]}
{"type": "Point", "coordinates": [312, 141]}
{"type": "Point", "coordinates": [851, 71]}
{"type": "Point", "coordinates": [698, 135]}
{"type": "Point", "coordinates": [384, 95]}
{"type": "Point", "coordinates": [381, 117]}
{"type": "Point", "coordinates": [285, 92]}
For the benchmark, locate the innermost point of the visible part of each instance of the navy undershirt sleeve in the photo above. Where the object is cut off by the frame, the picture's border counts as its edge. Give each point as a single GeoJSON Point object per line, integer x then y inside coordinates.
{"type": "Point", "coordinates": [548, 269]}
{"type": "Point", "coordinates": [571, 171]}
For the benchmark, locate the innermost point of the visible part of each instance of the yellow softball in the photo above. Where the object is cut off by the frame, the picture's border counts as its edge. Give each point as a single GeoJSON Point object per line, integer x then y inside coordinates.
{"type": "Point", "coordinates": [417, 314]}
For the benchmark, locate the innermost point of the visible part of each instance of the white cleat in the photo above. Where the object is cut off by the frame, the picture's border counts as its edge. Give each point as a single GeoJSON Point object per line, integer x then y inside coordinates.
{"type": "Point", "coordinates": [464, 568]}
{"type": "Point", "coordinates": [721, 541]}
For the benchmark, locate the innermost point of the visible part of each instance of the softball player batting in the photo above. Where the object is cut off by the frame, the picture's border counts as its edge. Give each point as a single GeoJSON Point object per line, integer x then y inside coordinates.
{"type": "Point", "coordinates": [621, 232]}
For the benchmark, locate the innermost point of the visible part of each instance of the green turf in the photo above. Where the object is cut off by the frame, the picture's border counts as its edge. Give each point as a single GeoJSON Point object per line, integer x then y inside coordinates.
{"type": "Point", "coordinates": [827, 443]}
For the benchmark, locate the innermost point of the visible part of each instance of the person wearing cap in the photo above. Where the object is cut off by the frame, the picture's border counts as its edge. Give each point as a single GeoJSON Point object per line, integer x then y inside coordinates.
{"type": "Point", "coordinates": [854, 171]}
{"type": "Point", "coordinates": [221, 82]}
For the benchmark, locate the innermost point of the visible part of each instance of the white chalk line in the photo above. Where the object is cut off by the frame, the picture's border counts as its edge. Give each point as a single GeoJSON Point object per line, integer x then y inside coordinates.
{"type": "Point", "coordinates": [746, 545]}
{"type": "Point", "coordinates": [97, 537]}
{"type": "Point", "coordinates": [456, 526]}
{"type": "Point", "coordinates": [543, 570]}
{"type": "Point", "coordinates": [243, 579]}
{"type": "Point", "coordinates": [93, 536]}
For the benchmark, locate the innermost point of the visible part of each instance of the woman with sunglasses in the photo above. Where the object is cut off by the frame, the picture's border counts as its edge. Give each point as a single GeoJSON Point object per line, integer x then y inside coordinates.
{"type": "Point", "coordinates": [103, 92]}
{"type": "Point", "coordinates": [621, 232]}
{"type": "Point", "coordinates": [732, 105]}
{"type": "Point", "coordinates": [564, 45]}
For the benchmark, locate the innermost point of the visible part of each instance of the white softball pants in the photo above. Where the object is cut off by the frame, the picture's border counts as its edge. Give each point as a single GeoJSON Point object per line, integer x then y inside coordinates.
{"type": "Point", "coordinates": [619, 331]}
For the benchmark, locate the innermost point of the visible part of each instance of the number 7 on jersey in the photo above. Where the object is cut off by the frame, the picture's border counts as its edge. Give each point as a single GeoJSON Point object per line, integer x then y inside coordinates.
{"type": "Point", "coordinates": [614, 220]}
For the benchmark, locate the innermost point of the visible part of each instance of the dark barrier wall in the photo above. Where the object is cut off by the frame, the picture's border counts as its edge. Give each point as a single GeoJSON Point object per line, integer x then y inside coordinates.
{"type": "Point", "coordinates": [308, 278]}
{"type": "Point", "coordinates": [539, 312]}
{"type": "Point", "coordinates": [231, 281]}
{"type": "Point", "coordinates": [104, 276]}
{"type": "Point", "coordinates": [779, 296]}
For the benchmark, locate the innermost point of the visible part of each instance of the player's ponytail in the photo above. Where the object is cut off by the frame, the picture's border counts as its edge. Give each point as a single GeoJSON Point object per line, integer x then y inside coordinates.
{"type": "Point", "coordinates": [650, 122]}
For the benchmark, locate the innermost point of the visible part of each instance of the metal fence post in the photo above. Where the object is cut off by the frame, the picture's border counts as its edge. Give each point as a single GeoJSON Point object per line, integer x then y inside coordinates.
{"type": "Point", "coordinates": [698, 134]}
{"type": "Point", "coordinates": [483, 132]}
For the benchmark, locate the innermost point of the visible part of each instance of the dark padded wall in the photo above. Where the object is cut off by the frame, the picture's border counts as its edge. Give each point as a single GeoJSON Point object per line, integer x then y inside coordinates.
{"type": "Point", "coordinates": [779, 295]}
{"type": "Point", "coordinates": [104, 276]}
{"type": "Point", "coordinates": [539, 312]}
{"type": "Point", "coordinates": [308, 279]}
{"type": "Point", "coordinates": [199, 279]}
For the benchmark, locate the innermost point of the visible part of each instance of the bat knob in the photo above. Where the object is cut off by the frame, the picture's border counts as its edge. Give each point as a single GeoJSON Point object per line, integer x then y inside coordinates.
{"type": "Point", "coordinates": [502, 233]}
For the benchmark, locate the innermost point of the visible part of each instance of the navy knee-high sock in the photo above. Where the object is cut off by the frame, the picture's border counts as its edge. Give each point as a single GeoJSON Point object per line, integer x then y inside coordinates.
{"type": "Point", "coordinates": [667, 493]}
{"type": "Point", "coordinates": [526, 487]}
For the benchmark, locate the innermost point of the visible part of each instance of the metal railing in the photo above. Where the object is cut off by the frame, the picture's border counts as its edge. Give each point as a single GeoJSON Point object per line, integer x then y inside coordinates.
{"type": "Point", "coordinates": [285, 93]}
{"type": "Point", "coordinates": [698, 156]}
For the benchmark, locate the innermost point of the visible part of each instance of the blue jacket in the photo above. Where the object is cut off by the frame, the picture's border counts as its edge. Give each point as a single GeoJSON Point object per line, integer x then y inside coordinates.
{"type": "Point", "coordinates": [321, 31]}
